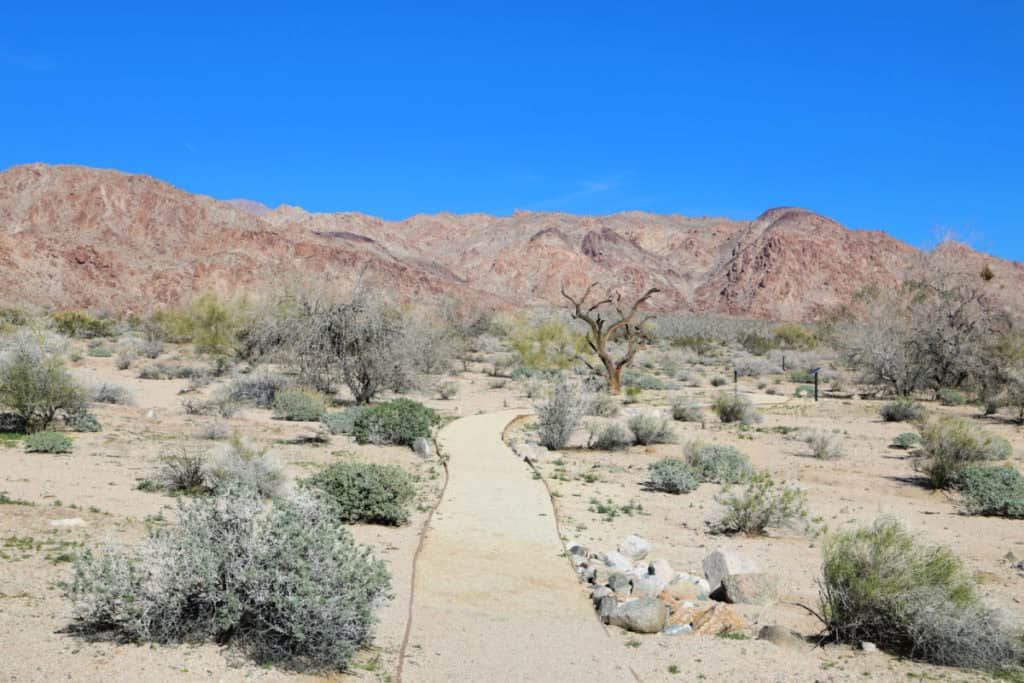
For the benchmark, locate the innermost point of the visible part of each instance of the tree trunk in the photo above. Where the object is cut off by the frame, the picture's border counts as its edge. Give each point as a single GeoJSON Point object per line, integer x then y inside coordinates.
{"type": "Point", "coordinates": [614, 380]}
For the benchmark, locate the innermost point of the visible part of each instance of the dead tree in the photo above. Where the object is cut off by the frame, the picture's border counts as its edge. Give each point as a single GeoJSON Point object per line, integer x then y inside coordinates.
{"type": "Point", "coordinates": [624, 329]}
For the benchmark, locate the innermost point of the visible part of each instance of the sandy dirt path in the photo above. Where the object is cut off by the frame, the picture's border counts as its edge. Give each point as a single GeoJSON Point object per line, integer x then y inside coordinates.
{"type": "Point", "coordinates": [495, 600]}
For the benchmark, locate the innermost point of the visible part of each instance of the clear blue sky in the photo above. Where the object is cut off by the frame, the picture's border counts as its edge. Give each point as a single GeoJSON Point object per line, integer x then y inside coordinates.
{"type": "Point", "coordinates": [907, 117]}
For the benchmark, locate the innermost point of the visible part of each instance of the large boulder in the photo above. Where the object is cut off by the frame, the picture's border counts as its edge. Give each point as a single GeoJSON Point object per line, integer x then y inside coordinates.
{"type": "Point", "coordinates": [643, 615]}
{"type": "Point", "coordinates": [721, 563]}
{"type": "Point", "coordinates": [617, 561]}
{"type": "Point", "coordinates": [634, 547]}
{"type": "Point", "coordinates": [749, 589]}
{"type": "Point", "coordinates": [648, 586]}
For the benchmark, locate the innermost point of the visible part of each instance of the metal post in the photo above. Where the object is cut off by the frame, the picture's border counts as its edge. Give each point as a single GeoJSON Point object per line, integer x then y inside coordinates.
{"type": "Point", "coordinates": [816, 371]}
{"type": "Point", "coordinates": [735, 382]}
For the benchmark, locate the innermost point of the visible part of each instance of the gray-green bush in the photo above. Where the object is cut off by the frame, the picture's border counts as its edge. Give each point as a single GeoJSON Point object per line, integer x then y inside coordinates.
{"type": "Point", "coordinates": [824, 445]}
{"type": "Point", "coordinates": [717, 463]}
{"type": "Point", "coordinates": [398, 422]}
{"type": "Point", "coordinates": [609, 437]}
{"type": "Point", "coordinates": [47, 442]}
{"type": "Point", "coordinates": [283, 584]}
{"type": "Point", "coordinates": [559, 415]}
{"type": "Point", "coordinates": [367, 492]}
{"type": "Point", "coordinates": [880, 584]}
{"type": "Point", "coordinates": [951, 443]}
{"type": "Point", "coordinates": [735, 408]}
{"type": "Point", "coordinates": [906, 440]}
{"type": "Point", "coordinates": [685, 410]}
{"type": "Point", "coordinates": [35, 383]}
{"type": "Point", "coordinates": [760, 503]}
{"type": "Point", "coordinates": [901, 410]}
{"type": "Point", "coordinates": [259, 388]}
{"type": "Point", "coordinates": [342, 421]}
{"type": "Point", "coordinates": [299, 404]}
{"type": "Point", "coordinates": [651, 428]}
{"type": "Point", "coordinates": [671, 475]}
{"type": "Point", "coordinates": [992, 491]}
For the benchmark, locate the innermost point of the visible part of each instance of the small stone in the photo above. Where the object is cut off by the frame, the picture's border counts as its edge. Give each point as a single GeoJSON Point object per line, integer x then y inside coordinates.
{"type": "Point", "coordinates": [781, 636]}
{"type": "Point", "coordinates": [607, 607]}
{"type": "Point", "coordinates": [600, 593]}
{"type": "Point", "coordinates": [423, 447]}
{"type": "Point", "coordinates": [721, 563]}
{"type": "Point", "coordinates": [617, 561]}
{"type": "Point", "coordinates": [677, 630]}
{"type": "Point", "coordinates": [643, 615]}
{"type": "Point", "coordinates": [748, 589]}
{"type": "Point", "coordinates": [868, 646]}
{"type": "Point", "coordinates": [578, 550]}
{"type": "Point", "coordinates": [634, 547]}
{"type": "Point", "coordinates": [589, 574]}
{"type": "Point", "coordinates": [620, 584]}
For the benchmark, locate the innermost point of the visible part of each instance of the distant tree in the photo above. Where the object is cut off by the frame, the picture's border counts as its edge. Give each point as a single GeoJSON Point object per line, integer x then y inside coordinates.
{"type": "Point", "coordinates": [623, 330]}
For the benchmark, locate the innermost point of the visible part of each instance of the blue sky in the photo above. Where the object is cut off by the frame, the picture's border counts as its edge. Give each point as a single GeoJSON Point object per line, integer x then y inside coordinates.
{"type": "Point", "coordinates": [906, 117]}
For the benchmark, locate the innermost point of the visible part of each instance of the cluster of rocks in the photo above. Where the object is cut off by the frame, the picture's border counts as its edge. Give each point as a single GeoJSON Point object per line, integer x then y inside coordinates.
{"type": "Point", "coordinates": [641, 595]}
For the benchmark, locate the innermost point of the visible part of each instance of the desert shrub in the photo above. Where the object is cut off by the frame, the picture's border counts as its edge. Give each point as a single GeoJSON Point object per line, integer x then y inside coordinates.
{"type": "Point", "coordinates": [35, 383]}
{"type": "Point", "coordinates": [804, 391]}
{"type": "Point", "coordinates": [545, 345]}
{"type": "Point", "coordinates": [172, 371]}
{"type": "Point", "coordinates": [719, 381]}
{"type": "Point", "coordinates": [632, 394]}
{"type": "Point", "coordinates": [880, 584]}
{"type": "Point", "coordinates": [283, 584]}
{"type": "Point", "coordinates": [367, 492]}
{"type": "Point", "coordinates": [671, 475]}
{"type": "Point", "coordinates": [801, 377]}
{"type": "Point", "coordinates": [824, 445]}
{"type": "Point", "coordinates": [343, 421]}
{"type": "Point", "coordinates": [11, 317]}
{"type": "Point", "coordinates": [907, 440]}
{"type": "Point", "coordinates": [259, 389]}
{"type": "Point", "coordinates": [82, 325]}
{"type": "Point", "coordinates": [218, 405]}
{"type": "Point", "coordinates": [642, 380]}
{"type": "Point", "coordinates": [238, 466]}
{"type": "Point", "coordinates": [651, 428]}
{"type": "Point", "coordinates": [602, 405]}
{"type": "Point", "coordinates": [47, 442]}
{"type": "Point", "coordinates": [760, 503]}
{"type": "Point", "coordinates": [794, 336]}
{"type": "Point", "coordinates": [210, 322]}
{"type": "Point", "coordinates": [951, 443]}
{"type": "Point", "coordinates": [992, 491]}
{"type": "Point", "coordinates": [558, 416]}
{"type": "Point", "coordinates": [152, 348]}
{"type": "Point", "coordinates": [100, 351]}
{"type": "Point", "coordinates": [685, 410]}
{"type": "Point", "coordinates": [82, 420]}
{"type": "Point", "coordinates": [755, 343]}
{"type": "Point", "coordinates": [111, 393]}
{"type": "Point", "coordinates": [124, 360]}
{"type": "Point", "coordinates": [180, 472]}
{"type": "Point", "coordinates": [717, 463]}
{"type": "Point", "coordinates": [398, 422]}
{"type": "Point", "coordinates": [609, 437]}
{"type": "Point", "coordinates": [447, 390]}
{"type": "Point", "coordinates": [299, 404]}
{"type": "Point", "coordinates": [951, 397]}
{"type": "Point", "coordinates": [735, 408]}
{"type": "Point", "coordinates": [213, 431]}
{"type": "Point", "coordinates": [901, 410]}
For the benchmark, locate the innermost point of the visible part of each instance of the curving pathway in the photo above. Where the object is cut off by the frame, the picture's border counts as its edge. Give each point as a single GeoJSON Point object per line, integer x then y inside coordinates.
{"type": "Point", "coordinates": [494, 599]}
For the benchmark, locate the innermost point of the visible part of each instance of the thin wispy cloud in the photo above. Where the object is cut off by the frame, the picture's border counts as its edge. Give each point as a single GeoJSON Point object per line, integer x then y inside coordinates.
{"type": "Point", "coordinates": [584, 189]}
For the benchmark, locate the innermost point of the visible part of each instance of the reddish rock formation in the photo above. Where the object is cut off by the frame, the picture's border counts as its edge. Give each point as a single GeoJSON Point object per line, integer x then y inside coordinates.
{"type": "Point", "coordinates": [83, 237]}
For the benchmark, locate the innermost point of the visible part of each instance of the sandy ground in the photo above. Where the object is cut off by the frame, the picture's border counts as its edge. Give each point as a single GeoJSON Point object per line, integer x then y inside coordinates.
{"type": "Point", "coordinates": [872, 479]}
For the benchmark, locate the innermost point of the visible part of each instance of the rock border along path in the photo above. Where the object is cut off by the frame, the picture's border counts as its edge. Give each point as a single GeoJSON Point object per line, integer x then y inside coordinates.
{"type": "Point", "coordinates": [494, 598]}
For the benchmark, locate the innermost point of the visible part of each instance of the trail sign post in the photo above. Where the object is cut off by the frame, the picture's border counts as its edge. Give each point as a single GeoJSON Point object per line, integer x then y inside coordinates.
{"type": "Point", "coordinates": [815, 372]}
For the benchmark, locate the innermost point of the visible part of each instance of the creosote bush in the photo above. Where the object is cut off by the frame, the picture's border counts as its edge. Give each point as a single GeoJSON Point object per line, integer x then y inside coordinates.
{"type": "Point", "coordinates": [760, 503]}
{"type": "Point", "coordinates": [283, 584]}
{"type": "Point", "coordinates": [82, 325]}
{"type": "Point", "coordinates": [35, 383]}
{"type": "Point", "coordinates": [717, 463]}
{"type": "Point", "coordinates": [559, 414]}
{"type": "Point", "coordinates": [47, 442]}
{"type": "Point", "coordinates": [824, 445]}
{"type": "Point", "coordinates": [602, 405]}
{"type": "Point", "coordinates": [685, 410]}
{"type": "Point", "coordinates": [906, 440]}
{"type": "Point", "coordinates": [651, 428]}
{"type": "Point", "coordinates": [366, 492]}
{"type": "Point", "coordinates": [951, 397]}
{"type": "Point", "coordinates": [901, 410]}
{"type": "Point", "coordinates": [735, 408]}
{"type": "Point", "coordinates": [672, 475]}
{"type": "Point", "coordinates": [398, 422]}
{"type": "Point", "coordinates": [882, 585]}
{"type": "Point", "coordinates": [992, 491]}
{"type": "Point", "coordinates": [609, 437]}
{"type": "Point", "coordinates": [951, 443]}
{"type": "Point", "coordinates": [299, 404]}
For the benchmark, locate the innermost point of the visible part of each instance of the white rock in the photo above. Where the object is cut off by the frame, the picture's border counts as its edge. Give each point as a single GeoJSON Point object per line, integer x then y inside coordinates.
{"type": "Point", "coordinates": [721, 562]}
{"type": "Point", "coordinates": [423, 447]}
{"type": "Point", "coordinates": [868, 647]}
{"type": "Point", "coordinates": [616, 561]}
{"type": "Point", "coordinates": [634, 547]}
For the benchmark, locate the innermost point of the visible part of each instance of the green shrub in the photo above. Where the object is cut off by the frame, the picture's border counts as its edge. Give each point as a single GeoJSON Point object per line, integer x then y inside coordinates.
{"type": "Point", "coordinates": [343, 421]}
{"type": "Point", "coordinates": [735, 408]}
{"type": "Point", "coordinates": [760, 504]}
{"type": "Point", "coordinates": [906, 440]}
{"type": "Point", "coordinates": [951, 397]}
{"type": "Point", "coordinates": [641, 380]}
{"type": "Point", "coordinates": [824, 445]}
{"type": "Point", "coordinates": [35, 383]}
{"type": "Point", "coordinates": [685, 410]}
{"type": "Point", "coordinates": [801, 377]}
{"type": "Point", "coordinates": [299, 404]}
{"type": "Point", "coordinates": [804, 391]}
{"type": "Point", "coordinates": [651, 428]}
{"type": "Point", "coordinates": [880, 584]}
{"type": "Point", "coordinates": [82, 325]}
{"type": "Point", "coordinates": [757, 344]}
{"type": "Point", "coordinates": [100, 351]}
{"type": "Point", "coordinates": [992, 491]}
{"type": "Point", "coordinates": [559, 415]}
{"type": "Point", "coordinates": [82, 421]}
{"type": "Point", "coordinates": [398, 422]}
{"type": "Point", "coordinates": [951, 443]}
{"type": "Point", "coordinates": [367, 492]}
{"type": "Point", "coordinates": [47, 442]}
{"type": "Point", "coordinates": [901, 410]}
{"type": "Point", "coordinates": [283, 584]}
{"type": "Point", "coordinates": [124, 360]}
{"type": "Point", "coordinates": [609, 437]}
{"type": "Point", "coordinates": [602, 405]}
{"type": "Point", "coordinates": [671, 475]}
{"type": "Point", "coordinates": [717, 463]}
